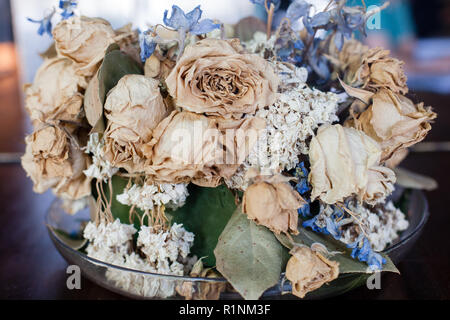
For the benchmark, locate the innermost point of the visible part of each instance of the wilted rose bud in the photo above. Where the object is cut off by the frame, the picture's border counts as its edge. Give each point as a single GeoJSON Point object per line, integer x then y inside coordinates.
{"type": "Point", "coordinates": [370, 69]}
{"type": "Point", "coordinates": [52, 161]}
{"type": "Point", "coordinates": [308, 270]}
{"type": "Point", "coordinates": [273, 203]}
{"type": "Point", "coordinates": [133, 108]}
{"type": "Point", "coordinates": [83, 40]}
{"type": "Point", "coordinates": [54, 94]}
{"type": "Point", "coordinates": [394, 121]}
{"type": "Point", "coordinates": [345, 162]}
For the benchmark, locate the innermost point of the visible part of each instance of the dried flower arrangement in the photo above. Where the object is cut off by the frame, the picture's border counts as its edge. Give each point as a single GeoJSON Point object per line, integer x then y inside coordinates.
{"type": "Point", "coordinates": [204, 151]}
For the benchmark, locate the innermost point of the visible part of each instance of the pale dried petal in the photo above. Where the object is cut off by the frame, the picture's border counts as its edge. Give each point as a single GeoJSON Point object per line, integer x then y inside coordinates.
{"type": "Point", "coordinates": [344, 162]}
{"type": "Point", "coordinates": [54, 94]}
{"type": "Point", "coordinates": [83, 40]}
{"type": "Point", "coordinates": [52, 161]}
{"type": "Point", "coordinates": [217, 78]}
{"type": "Point", "coordinates": [192, 147]}
{"type": "Point", "coordinates": [308, 270]}
{"type": "Point", "coordinates": [273, 204]}
{"type": "Point", "coordinates": [394, 121]}
{"type": "Point", "coordinates": [133, 108]}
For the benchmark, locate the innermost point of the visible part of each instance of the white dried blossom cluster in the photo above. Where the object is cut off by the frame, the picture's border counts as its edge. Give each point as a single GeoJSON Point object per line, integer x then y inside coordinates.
{"type": "Point", "coordinates": [165, 253]}
{"type": "Point", "coordinates": [290, 121]}
{"type": "Point", "coordinates": [149, 196]}
{"type": "Point", "coordinates": [100, 169]}
{"type": "Point", "coordinates": [381, 224]}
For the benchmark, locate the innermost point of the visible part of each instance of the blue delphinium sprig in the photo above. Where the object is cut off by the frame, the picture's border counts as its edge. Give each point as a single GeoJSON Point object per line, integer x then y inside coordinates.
{"type": "Point", "coordinates": [302, 188]}
{"type": "Point", "coordinates": [361, 246]}
{"type": "Point", "coordinates": [338, 22]}
{"type": "Point", "coordinates": [188, 23]}
{"type": "Point", "coordinates": [68, 7]}
{"type": "Point", "coordinates": [45, 24]}
{"type": "Point", "coordinates": [364, 252]}
{"type": "Point", "coordinates": [147, 44]}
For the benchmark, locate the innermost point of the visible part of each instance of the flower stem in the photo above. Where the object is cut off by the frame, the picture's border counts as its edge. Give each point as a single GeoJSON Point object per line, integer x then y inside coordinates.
{"type": "Point", "coordinates": [269, 19]}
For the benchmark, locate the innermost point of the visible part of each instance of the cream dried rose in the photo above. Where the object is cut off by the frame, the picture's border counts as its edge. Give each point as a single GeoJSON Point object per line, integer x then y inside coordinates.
{"type": "Point", "coordinates": [189, 147]}
{"type": "Point", "coordinates": [273, 203]}
{"type": "Point", "coordinates": [394, 121]}
{"type": "Point", "coordinates": [83, 40]}
{"type": "Point", "coordinates": [52, 161]}
{"type": "Point", "coordinates": [345, 162]}
{"type": "Point", "coordinates": [370, 68]}
{"type": "Point", "coordinates": [308, 270]}
{"type": "Point", "coordinates": [133, 108]}
{"type": "Point", "coordinates": [54, 94]}
{"type": "Point", "coordinates": [217, 78]}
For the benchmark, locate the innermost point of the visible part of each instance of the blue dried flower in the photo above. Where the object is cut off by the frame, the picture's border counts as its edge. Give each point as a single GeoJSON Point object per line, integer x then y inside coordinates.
{"type": "Point", "coordinates": [147, 44]}
{"type": "Point", "coordinates": [68, 7]}
{"type": "Point", "coordinates": [298, 9]}
{"type": "Point", "coordinates": [276, 3]}
{"type": "Point", "coordinates": [302, 174]}
{"type": "Point", "coordinates": [45, 24]}
{"type": "Point", "coordinates": [189, 22]}
{"type": "Point", "coordinates": [364, 252]}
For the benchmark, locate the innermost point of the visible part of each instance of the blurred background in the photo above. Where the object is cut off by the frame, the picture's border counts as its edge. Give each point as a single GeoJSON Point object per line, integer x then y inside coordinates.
{"type": "Point", "coordinates": [416, 31]}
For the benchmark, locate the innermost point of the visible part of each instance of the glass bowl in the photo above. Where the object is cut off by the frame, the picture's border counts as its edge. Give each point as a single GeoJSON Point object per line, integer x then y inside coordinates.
{"type": "Point", "coordinates": [137, 283]}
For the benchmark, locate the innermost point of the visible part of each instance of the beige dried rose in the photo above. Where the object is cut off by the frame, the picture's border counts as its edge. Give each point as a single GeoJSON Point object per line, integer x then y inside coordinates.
{"type": "Point", "coordinates": [54, 94]}
{"type": "Point", "coordinates": [133, 108]}
{"type": "Point", "coordinates": [189, 147]}
{"type": "Point", "coordinates": [345, 162]}
{"type": "Point", "coordinates": [308, 270]}
{"type": "Point", "coordinates": [370, 69]}
{"type": "Point", "coordinates": [203, 290]}
{"type": "Point", "coordinates": [273, 203]}
{"type": "Point", "coordinates": [394, 121]}
{"type": "Point", "coordinates": [83, 40]}
{"type": "Point", "coordinates": [53, 161]}
{"type": "Point", "coordinates": [216, 77]}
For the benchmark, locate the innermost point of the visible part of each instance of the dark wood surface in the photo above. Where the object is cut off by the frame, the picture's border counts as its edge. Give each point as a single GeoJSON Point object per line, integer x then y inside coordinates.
{"type": "Point", "coordinates": [31, 268]}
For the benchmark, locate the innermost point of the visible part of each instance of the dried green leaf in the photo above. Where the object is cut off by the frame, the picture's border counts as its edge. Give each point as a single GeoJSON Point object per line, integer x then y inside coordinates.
{"type": "Point", "coordinates": [206, 213]}
{"type": "Point", "coordinates": [115, 65]}
{"type": "Point", "coordinates": [249, 256]}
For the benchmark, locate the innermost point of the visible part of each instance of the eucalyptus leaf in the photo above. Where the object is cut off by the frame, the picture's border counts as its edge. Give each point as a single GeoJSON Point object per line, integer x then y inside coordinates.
{"type": "Point", "coordinates": [115, 65]}
{"type": "Point", "coordinates": [66, 238]}
{"type": "Point", "coordinates": [412, 180]}
{"type": "Point", "coordinates": [337, 251]}
{"type": "Point", "coordinates": [206, 213]}
{"type": "Point", "coordinates": [249, 256]}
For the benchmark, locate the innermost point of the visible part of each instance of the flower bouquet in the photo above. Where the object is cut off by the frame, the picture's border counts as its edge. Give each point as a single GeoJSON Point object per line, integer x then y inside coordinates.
{"type": "Point", "coordinates": [254, 152]}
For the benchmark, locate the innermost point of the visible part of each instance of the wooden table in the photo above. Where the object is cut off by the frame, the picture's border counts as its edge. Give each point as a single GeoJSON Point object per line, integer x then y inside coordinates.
{"type": "Point", "coordinates": [31, 268]}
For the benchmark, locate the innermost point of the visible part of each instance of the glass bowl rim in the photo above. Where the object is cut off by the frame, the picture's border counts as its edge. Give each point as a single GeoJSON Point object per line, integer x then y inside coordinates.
{"type": "Point", "coordinates": [83, 256]}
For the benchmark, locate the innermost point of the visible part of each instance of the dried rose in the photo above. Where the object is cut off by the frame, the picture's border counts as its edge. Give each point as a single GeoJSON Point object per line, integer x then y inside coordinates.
{"type": "Point", "coordinates": [133, 108]}
{"type": "Point", "coordinates": [54, 94]}
{"type": "Point", "coordinates": [273, 203]}
{"type": "Point", "coordinates": [83, 40]}
{"type": "Point", "coordinates": [345, 162]}
{"type": "Point", "coordinates": [217, 78]}
{"type": "Point", "coordinates": [203, 290]}
{"type": "Point", "coordinates": [192, 147]}
{"type": "Point", "coordinates": [53, 161]}
{"type": "Point", "coordinates": [370, 69]}
{"type": "Point", "coordinates": [394, 121]}
{"type": "Point", "coordinates": [308, 270]}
